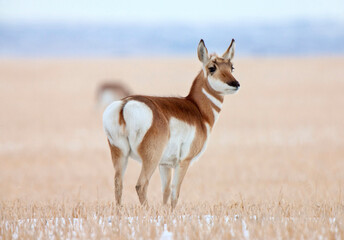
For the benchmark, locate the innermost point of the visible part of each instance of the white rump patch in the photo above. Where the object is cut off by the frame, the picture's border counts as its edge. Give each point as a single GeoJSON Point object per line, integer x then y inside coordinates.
{"type": "Point", "coordinates": [138, 117]}
{"type": "Point", "coordinates": [178, 147]}
{"type": "Point", "coordinates": [115, 133]}
{"type": "Point", "coordinates": [212, 99]}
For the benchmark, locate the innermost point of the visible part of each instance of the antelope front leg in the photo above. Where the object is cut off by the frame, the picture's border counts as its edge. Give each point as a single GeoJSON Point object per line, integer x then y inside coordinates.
{"type": "Point", "coordinates": [178, 177]}
{"type": "Point", "coordinates": [165, 175]}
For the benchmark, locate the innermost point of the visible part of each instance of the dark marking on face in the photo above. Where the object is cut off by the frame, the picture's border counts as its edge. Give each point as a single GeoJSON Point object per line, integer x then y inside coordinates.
{"type": "Point", "coordinates": [222, 69]}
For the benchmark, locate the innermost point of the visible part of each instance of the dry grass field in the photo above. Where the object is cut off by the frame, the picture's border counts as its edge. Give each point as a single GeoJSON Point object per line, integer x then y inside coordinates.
{"type": "Point", "coordinates": [273, 169]}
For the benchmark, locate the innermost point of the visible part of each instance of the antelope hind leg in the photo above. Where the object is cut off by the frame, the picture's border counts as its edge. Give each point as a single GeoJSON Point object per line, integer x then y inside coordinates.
{"type": "Point", "coordinates": [120, 162]}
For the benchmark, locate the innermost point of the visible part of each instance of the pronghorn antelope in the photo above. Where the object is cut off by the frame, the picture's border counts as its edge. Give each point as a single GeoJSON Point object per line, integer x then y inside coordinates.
{"type": "Point", "coordinates": [110, 91]}
{"type": "Point", "coordinates": [168, 131]}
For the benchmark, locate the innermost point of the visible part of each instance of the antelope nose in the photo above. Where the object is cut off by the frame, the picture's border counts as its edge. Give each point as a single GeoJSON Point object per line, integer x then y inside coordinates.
{"type": "Point", "coordinates": [234, 84]}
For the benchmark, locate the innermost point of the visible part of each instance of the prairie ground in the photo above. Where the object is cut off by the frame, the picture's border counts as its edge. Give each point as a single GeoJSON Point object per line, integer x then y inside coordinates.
{"type": "Point", "coordinates": [273, 167]}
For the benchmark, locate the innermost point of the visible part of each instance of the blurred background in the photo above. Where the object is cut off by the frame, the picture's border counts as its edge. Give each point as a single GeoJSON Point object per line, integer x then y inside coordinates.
{"type": "Point", "coordinates": [281, 135]}
{"type": "Point", "coordinates": [38, 28]}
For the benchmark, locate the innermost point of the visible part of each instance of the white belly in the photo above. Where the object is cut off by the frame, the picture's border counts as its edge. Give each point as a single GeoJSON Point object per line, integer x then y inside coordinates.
{"type": "Point", "coordinates": [178, 147]}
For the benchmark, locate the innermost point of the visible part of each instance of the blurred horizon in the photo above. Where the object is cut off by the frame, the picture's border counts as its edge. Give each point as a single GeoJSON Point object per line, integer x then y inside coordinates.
{"type": "Point", "coordinates": [294, 38]}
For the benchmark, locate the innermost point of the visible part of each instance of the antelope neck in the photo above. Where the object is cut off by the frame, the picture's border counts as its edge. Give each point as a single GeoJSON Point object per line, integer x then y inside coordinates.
{"type": "Point", "coordinates": [207, 100]}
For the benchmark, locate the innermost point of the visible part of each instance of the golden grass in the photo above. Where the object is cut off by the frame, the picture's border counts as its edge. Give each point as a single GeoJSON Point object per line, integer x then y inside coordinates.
{"type": "Point", "coordinates": [273, 167]}
{"type": "Point", "coordinates": [222, 220]}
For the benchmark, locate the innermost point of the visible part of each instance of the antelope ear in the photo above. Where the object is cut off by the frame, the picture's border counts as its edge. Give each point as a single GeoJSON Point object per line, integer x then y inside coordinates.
{"type": "Point", "coordinates": [229, 53]}
{"type": "Point", "coordinates": [202, 52]}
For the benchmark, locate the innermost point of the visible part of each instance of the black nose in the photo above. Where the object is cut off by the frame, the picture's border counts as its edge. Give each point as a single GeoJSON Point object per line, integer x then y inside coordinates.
{"type": "Point", "coordinates": [234, 84]}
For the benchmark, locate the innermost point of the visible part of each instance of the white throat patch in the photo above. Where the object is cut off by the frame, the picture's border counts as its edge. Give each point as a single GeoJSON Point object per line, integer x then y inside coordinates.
{"type": "Point", "coordinates": [212, 99]}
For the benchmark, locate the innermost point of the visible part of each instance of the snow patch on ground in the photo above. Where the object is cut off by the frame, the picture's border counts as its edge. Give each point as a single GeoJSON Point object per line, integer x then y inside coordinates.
{"type": "Point", "coordinates": [76, 225]}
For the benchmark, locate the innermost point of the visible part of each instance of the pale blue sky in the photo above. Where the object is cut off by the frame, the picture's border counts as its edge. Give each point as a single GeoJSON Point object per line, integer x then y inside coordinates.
{"type": "Point", "coordinates": [169, 11]}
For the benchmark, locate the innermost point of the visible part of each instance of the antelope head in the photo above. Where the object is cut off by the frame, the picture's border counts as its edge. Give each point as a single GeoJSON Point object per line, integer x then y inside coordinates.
{"type": "Point", "coordinates": [219, 70]}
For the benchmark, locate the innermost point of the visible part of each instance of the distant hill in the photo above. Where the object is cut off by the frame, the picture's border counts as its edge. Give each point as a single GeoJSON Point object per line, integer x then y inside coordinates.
{"type": "Point", "coordinates": [112, 40]}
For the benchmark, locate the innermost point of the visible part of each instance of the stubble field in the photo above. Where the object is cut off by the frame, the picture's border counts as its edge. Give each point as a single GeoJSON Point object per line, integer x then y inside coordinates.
{"type": "Point", "coordinates": [273, 167]}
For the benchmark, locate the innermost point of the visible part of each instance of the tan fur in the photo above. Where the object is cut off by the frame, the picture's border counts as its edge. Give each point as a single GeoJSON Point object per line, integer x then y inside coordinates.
{"type": "Point", "coordinates": [196, 109]}
{"type": "Point", "coordinates": [116, 156]}
{"type": "Point", "coordinates": [225, 72]}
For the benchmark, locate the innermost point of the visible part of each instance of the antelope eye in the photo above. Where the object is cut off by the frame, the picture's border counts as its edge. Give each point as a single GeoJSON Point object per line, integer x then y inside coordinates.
{"type": "Point", "coordinates": [232, 68]}
{"type": "Point", "coordinates": [212, 69]}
